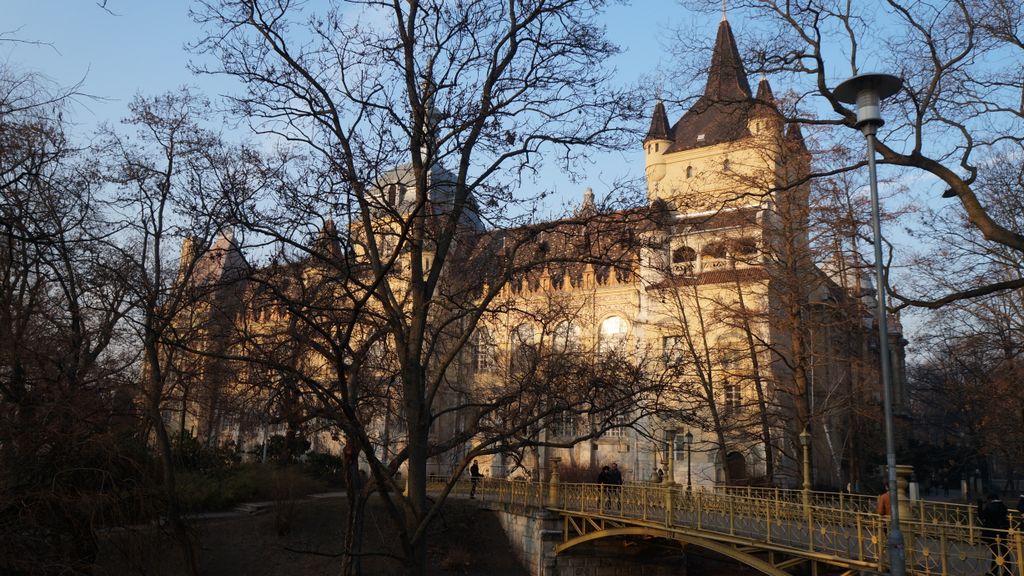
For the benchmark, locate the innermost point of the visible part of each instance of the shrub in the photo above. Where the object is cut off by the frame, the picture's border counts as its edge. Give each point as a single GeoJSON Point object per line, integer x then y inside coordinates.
{"type": "Point", "coordinates": [325, 466]}
{"type": "Point", "coordinates": [246, 483]}
{"type": "Point", "coordinates": [191, 454]}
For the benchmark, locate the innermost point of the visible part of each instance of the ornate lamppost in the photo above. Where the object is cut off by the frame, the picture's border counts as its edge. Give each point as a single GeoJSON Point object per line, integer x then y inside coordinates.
{"type": "Point", "coordinates": [867, 91]}
{"type": "Point", "coordinates": [670, 443]}
{"type": "Point", "coordinates": [688, 438]}
{"type": "Point", "coordinates": [805, 444]}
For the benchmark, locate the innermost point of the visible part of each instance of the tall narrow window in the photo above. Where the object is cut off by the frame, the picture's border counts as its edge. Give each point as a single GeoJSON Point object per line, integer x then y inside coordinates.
{"type": "Point", "coordinates": [732, 396]}
{"type": "Point", "coordinates": [565, 337]}
{"type": "Point", "coordinates": [484, 357]}
{"type": "Point", "coordinates": [522, 346]}
{"type": "Point", "coordinates": [672, 350]}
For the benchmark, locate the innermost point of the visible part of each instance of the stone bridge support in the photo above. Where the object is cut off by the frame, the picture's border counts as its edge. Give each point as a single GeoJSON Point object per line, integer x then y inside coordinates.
{"type": "Point", "coordinates": [533, 535]}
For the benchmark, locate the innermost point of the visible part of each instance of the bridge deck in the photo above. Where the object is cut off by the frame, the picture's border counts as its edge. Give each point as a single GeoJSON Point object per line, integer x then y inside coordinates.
{"type": "Point", "coordinates": [838, 529]}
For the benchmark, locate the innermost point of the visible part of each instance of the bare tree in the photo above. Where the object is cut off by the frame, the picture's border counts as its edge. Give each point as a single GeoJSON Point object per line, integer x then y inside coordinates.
{"type": "Point", "coordinates": [171, 179]}
{"type": "Point", "coordinates": [68, 450]}
{"type": "Point", "coordinates": [959, 112]}
{"type": "Point", "coordinates": [483, 88]}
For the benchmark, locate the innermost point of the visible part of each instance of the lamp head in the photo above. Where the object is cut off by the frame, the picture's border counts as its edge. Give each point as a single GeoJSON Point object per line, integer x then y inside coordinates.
{"type": "Point", "coordinates": [867, 91]}
{"type": "Point", "coordinates": [805, 438]}
{"type": "Point", "coordinates": [688, 438]}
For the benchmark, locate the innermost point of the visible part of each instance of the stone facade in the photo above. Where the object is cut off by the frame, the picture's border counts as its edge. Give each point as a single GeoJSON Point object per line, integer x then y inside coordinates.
{"type": "Point", "coordinates": [710, 287]}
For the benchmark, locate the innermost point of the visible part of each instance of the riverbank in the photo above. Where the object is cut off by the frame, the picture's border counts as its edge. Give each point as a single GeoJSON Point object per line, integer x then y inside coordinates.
{"type": "Point", "coordinates": [305, 538]}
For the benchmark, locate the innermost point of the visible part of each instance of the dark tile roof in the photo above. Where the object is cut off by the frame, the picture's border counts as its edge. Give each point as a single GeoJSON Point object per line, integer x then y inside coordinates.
{"type": "Point", "coordinates": [721, 113]}
{"type": "Point", "coordinates": [659, 124]}
{"type": "Point", "coordinates": [721, 276]}
{"type": "Point", "coordinates": [724, 219]}
{"type": "Point", "coordinates": [765, 104]}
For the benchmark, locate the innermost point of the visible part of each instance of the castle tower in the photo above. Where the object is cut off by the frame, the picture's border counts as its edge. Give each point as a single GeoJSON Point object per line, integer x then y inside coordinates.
{"type": "Point", "coordinates": [728, 142]}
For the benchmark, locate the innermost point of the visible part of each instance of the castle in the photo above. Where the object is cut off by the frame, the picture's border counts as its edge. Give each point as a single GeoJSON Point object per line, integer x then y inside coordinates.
{"type": "Point", "coordinates": [710, 287]}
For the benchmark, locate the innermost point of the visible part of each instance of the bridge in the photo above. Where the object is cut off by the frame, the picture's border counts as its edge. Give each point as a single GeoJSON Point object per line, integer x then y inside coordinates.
{"type": "Point", "coordinates": [772, 530]}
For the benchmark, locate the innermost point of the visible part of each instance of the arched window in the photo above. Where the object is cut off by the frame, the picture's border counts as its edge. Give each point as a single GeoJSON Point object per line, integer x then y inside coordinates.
{"type": "Point", "coordinates": [612, 334]}
{"type": "Point", "coordinates": [743, 246]}
{"type": "Point", "coordinates": [522, 345]}
{"type": "Point", "coordinates": [714, 250]}
{"type": "Point", "coordinates": [565, 337]}
{"type": "Point", "coordinates": [726, 165]}
{"type": "Point", "coordinates": [689, 171]}
{"type": "Point", "coordinates": [683, 255]}
{"type": "Point", "coordinates": [486, 351]}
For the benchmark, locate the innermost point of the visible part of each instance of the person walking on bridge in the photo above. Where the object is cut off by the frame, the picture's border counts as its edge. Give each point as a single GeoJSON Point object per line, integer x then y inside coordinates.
{"type": "Point", "coordinates": [994, 524]}
{"type": "Point", "coordinates": [615, 482]}
{"type": "Point", "coordinates": [884, 506]}
{"type": "Point", "coordinates": [474, 478]}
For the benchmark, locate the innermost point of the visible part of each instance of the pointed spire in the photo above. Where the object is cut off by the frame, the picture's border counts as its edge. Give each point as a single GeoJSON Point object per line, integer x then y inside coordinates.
{"type": "Point", "coordinates": [727, 80]}
{"type": "Point", "coordinates": [764, 104]}
{"type": "Point", "coordinates": [587, 208]}
{"type": "Point", "coordinates": [795, 142]}
{"type": "Point", "coordinates": [795, 135]}
{"type": "Point", "coordinates": [326, 245]}
{"type": "Point", "coordinates": [659, 124]}
{"type": "Point", "coordinates": [764, 91]}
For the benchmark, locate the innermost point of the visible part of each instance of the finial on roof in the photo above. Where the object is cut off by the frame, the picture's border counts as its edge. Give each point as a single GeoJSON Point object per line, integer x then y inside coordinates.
{"type": "Point", "coordinates": [587, 208]}
{"type": "Point", "coordinates": [725, 11]}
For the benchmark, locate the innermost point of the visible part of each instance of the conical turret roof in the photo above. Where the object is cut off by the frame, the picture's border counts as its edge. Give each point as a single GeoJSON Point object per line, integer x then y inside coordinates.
{"type": "Point", "coordinates": [795, 138]}
{"type": "Point", "coordinates": [721, 113]}
{"type": "Point", "coordinates": [659, 129]}
{"type": "Point", "coordinates": [727, 80]}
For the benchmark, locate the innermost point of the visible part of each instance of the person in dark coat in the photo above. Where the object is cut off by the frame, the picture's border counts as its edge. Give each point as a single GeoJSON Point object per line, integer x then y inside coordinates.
{"type": "Point", "coordinates": [615, 484]}
{"type": "Point", "coordinates": [995, 522]}
{"type": "Point", "coordinates": [605, 479]}
{"type": "Point", "coordinates": [474, 478]}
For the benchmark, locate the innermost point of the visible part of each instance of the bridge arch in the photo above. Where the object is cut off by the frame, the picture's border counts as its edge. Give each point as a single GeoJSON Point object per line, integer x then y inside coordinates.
{"type": "Point", "coordinates": [724, 549]}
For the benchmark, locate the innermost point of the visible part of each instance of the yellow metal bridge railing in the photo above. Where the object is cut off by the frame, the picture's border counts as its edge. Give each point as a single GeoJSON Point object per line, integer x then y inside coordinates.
{"type": "Point", "coordinates": [836, 528]}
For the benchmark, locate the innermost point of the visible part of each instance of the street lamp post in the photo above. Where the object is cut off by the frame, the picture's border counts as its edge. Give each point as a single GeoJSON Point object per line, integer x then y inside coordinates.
{"type": "Point", "coordinates": [805, 444]}
{"type": "Point", "coordinates": [670, 441]}
{"type": "Point", "coordinates": [867, 91]}
{"type": "Point", "coordinates": [689, 458]}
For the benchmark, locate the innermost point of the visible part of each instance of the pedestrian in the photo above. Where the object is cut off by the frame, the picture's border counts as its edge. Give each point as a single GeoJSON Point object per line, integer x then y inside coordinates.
{"type": "Point", "coordinates": [474, 478]}
{"type": "Point", "coordinates": [994, 524]}
{"type": "Point", "coordinates": [884, 506]}
{"type": "Point", "coordinates": [604, 479]}
{"type": "Point", "coordinates": [615, 484]}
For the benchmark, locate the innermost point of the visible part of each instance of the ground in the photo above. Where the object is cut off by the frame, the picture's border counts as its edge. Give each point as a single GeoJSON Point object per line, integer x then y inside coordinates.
{"type": "Point", "coordinates": [464, 540]}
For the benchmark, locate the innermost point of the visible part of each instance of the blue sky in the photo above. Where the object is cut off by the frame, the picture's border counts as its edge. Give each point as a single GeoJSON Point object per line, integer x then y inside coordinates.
{"type": "Point", "coordinates": [139, 47]}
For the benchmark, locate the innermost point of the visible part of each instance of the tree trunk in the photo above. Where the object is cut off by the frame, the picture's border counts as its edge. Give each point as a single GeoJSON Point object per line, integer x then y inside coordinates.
{"type": "Point", "coordinates": [178, 526]}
